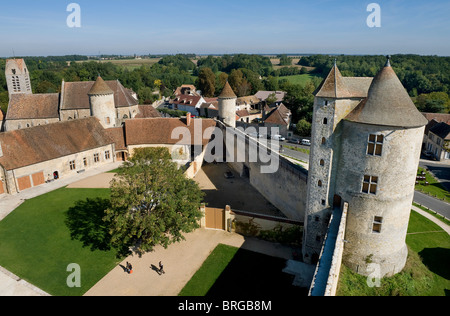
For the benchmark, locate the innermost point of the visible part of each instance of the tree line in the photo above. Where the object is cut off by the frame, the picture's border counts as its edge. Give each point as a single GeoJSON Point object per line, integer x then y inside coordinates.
{"type": "Point", "coordinates": [426, 78]}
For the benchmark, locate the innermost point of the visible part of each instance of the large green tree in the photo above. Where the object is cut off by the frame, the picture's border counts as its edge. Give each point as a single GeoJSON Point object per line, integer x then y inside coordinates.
{"type": "Point", "coordinates": [206, 82]}
{"type": "Point", "coordinates": [152, 202]}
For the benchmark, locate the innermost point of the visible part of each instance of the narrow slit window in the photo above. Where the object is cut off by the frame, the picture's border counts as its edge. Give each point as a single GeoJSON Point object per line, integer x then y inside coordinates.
{"type": "Point", "coordinates": [375, 145]}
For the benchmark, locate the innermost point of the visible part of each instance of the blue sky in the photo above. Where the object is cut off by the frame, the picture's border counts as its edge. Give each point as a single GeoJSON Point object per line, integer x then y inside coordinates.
{"type": "Point", "coordinates": [34, 28]}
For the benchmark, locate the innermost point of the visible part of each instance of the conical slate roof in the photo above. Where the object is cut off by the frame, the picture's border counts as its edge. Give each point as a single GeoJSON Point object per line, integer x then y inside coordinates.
{"type": "Point", "coordinates": [387, 103]}
{"type": "Point", "coordinates": [227, 92]}
{"type": "Point", "coordinates": [100, 87]}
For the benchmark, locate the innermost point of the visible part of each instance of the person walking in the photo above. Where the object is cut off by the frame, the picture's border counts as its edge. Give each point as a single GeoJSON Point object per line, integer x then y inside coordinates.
{"type": "Point", "coordinates": [161, 268]}
{"type": "Point", "coordinates": [129, 268]}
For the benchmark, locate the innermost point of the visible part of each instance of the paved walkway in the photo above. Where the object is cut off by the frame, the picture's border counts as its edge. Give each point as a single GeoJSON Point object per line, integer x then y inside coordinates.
{"type": "Point", "coordinates": [180, 260]}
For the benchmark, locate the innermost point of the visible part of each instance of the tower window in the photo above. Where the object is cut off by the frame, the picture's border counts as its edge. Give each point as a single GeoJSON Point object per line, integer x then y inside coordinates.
{"type": "Point", "coordinates": [325, 121]}
{"type": "Point", "coordinates": [322, 162]}
{"type": "Point", "coordinates": [370, 185]}
{"type": "Point", "coordinates": [319, 183]}
{"type": "Point", "coordinates": [375, 146]}
{"type": "Point", "coordinates": [324, 140]}
{"type": "Point", "coordinates": [376, 226]}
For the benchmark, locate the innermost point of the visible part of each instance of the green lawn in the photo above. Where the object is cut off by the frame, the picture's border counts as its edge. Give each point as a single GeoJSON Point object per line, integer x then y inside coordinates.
{"type": "Point", "coordinates": [36, 243]}
{"type": "Point", "coordinates": [426, 272]}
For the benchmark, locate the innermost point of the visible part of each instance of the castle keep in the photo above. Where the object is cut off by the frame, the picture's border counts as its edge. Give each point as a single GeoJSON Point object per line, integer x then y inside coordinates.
{"type": "Point", "coordinates": [366, 141]}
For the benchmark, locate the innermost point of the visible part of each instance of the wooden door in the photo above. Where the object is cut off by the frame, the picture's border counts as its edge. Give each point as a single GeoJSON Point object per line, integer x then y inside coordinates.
{"type": "Point", "coordinates": [215, 218]}
{"type": "Point", "coordinates": [24, 183]}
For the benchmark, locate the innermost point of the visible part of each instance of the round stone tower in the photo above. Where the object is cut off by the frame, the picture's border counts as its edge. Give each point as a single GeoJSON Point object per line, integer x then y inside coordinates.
{"type": "Point", "coordinates": [227, 106]}
{"type": "Point", "coordinates": [380, 150]}
{"type": "Point", "coordinates": [101, 99]}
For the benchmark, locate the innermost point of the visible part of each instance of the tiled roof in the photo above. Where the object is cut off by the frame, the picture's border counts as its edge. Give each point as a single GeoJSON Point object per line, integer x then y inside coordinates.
{"type": "Point", "coordinates": [46, 142]}
{"type": "Point", "coordinates": [242, 113]}
{"type": "Point", "coordinates": [117, 136]}
{"type": "Point", "coordinates": [227, 92]}
{"type": "Point", "coordinates": [159, 131]}
{"type": "Point", "coordinates": [100, 87]}
{"type": "Point", "coordinates": [186, 99]}
{"type": "Point", "coordinates": [33, 106]}
{"type": "Point", "coordinates": [147, 111]}
{"type": "Point", "coordinates": [439, 117]}
{"type": "Point", "coordinates": [279, 116]}
{"type": "Point", "coordinates": [263, 95]}
{"type": "Point", "coordinates": [75, 95]}
{"type": "Point", "coordinates": [251, 99]}
{"type": "Point", "coordinates": [442, 130]}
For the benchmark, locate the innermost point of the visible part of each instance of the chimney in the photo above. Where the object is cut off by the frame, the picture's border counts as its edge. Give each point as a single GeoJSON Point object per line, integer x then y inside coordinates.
{"type": "Point", "coordinates": [188, 119]}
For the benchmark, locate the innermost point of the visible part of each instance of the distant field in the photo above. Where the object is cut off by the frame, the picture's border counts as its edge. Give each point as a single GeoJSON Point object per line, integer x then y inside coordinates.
{"type": "Point", "coordinates": [131, 64]}
{"type": "Point", "coordinates": [297, 79]}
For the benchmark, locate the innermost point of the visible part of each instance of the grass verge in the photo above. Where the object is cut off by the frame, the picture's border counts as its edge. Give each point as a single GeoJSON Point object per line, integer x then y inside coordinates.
{"type": "Point", "coordinates": [426, 272]}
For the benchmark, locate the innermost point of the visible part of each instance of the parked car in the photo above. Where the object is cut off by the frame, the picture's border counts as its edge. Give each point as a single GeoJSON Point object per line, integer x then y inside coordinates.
{"type": "Point", "coordinates": [278, 137]}
{"type": "Point", "coordinates": [306, 142]}
{"type": "Point", "coordinates": [295, 141]}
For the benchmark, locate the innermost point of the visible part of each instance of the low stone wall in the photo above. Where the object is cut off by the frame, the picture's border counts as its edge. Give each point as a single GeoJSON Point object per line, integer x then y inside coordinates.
{"type": "Point", "coordinates": [327, 272]}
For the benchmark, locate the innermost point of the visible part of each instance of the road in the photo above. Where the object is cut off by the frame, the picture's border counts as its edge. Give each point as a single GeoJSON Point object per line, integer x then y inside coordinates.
{"type": "Point", "coordinates": [441, 171]}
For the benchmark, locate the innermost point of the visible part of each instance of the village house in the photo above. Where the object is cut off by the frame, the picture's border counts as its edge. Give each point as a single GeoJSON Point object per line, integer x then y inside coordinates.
{"type": "Point", "coordinates": [438, 141]}
{"type": "Point", "coordinates": [188, 103]}
{"type": "Point", "coordinates": [279, 117]}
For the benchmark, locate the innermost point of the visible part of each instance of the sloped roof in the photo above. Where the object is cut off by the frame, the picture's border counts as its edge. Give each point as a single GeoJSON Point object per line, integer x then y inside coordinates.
{"type": "Point", "coordinates": [438, 117]}
{"type": "Point", "coordinates": [37, 144]}
{"type": "Point", "coordinates": [387, 103]}
{"type": "Point", "coordinates": [279, 116]}
{"type": "Point", "coordinates": [159, 131]}
{"type": "Point", "coordinates": [186, 99]}
{"type": "Point", "coordinates": [336, 86]}
{"type": "Point", "coordinates": [75, 95]}
{"type": "Point", "coordinates": [442, 130]}
{"type": "Point", "coordinates": [147, 111]}
{"type": "Point", "coordinates": [263, 95]}
{"type": "Point", "coordinates": [100, 87]}
{"type": "Point", "coordinates": [33, 106]}
{"type": "Point", "coordinates": [227, 92]}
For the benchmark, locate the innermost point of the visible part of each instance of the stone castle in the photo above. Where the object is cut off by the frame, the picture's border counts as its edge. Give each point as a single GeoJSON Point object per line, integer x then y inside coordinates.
{"type": "Point", "coordinates": [366, 141]}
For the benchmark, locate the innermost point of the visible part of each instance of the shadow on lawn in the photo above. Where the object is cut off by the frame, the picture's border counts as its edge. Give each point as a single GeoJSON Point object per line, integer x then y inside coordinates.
{"type": "Point", "coordinates": [85, 222]}
{"type": "Point", "coordinates": [437, 259]}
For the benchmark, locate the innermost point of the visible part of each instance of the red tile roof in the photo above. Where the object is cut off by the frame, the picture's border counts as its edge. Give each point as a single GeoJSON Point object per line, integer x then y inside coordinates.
{"type": "Point", "coordinates": [75, 95]}
{"type": "Point", "coordinates": [33, 106]}
{"type": "Point", "coordinates": [159, 131]}
{"type": "Point", "coordinates": [47, 142]}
